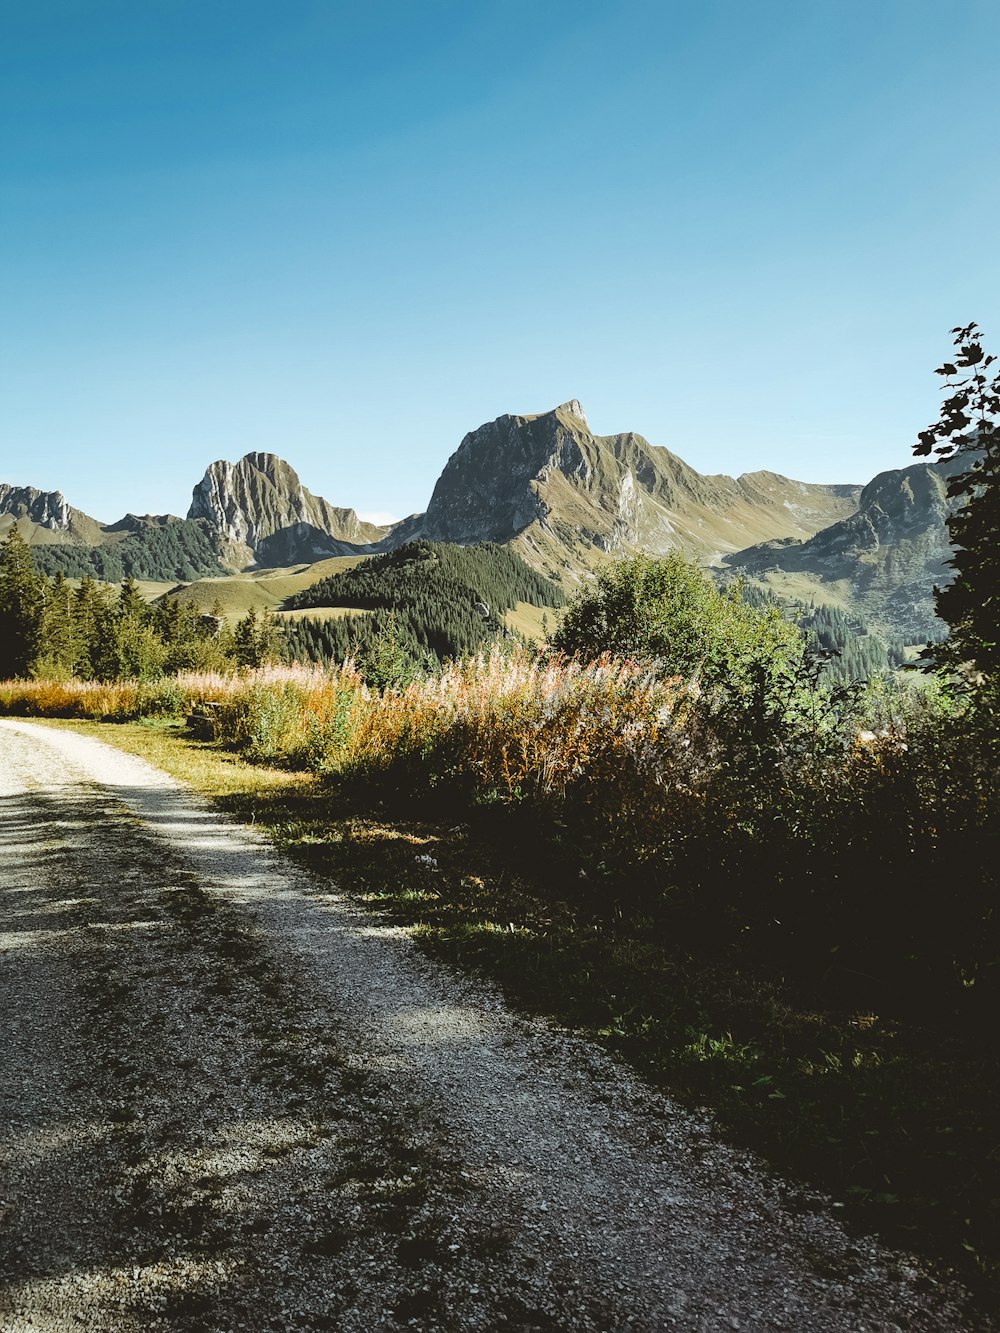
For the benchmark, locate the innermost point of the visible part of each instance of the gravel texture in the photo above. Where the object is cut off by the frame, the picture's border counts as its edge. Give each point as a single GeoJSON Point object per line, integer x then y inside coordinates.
{"type": "Point", "coordinates": [234, 1101]}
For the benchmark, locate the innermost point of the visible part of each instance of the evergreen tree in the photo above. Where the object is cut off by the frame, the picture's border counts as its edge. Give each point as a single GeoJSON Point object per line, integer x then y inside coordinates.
{"type": "Point", "coordinates": [22, 605]}
{"type": "Point", "coordinates": [131, 601]}
{"type": "Point", "coordinates": [384, 659]}
{"type": "Point", "coordinates": [88, 602]}
{"type": "Point", "coordinates": [431, 590]}
{"type": "Point", "coordinates": [59, 646]}
{"type": "Point", "coordinates": [257, 640]}
{"type": "Point", "coordinates": [182, 549]}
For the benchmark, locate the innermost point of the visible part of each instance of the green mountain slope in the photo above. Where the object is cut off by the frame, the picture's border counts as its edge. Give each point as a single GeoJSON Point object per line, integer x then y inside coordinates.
{"type": "Point", "coordinates": [880, 564]}
{"type": "Point", "coordinates": [424, 596]}
{"type": "Point", "coordinates": [163, 550]}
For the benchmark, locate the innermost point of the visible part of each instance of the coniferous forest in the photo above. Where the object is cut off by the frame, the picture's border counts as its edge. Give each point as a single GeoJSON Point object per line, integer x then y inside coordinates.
{"type": "Point", "coordinates": [428, 602]}
{"type": "Point", "coordinates": [181, 550]}
{"type": "Point", "coordinates": [51, 629]}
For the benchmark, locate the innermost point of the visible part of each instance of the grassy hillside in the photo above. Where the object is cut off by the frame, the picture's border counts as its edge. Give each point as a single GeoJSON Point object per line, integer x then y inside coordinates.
{"type": "Point", "coordinates": [264, 589]}
{"type": "Point", "coordinates": [534, 623]}
{"type": "Point", "coordinates": [319, 613]}
{"type": "Point", "coordinates": [151, 589]}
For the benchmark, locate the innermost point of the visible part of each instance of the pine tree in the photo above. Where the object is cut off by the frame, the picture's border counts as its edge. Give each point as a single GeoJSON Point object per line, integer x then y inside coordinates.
{"type": "Point", "coordinates": [88, 601]}
{"type": "Point", "coordinates": [22, 604]}
{"type": "Point", "coordinates": [257, 639]}
{"type": "Point", "coordinates": [131, 601]}
{"type": "Point", "coordinates": [384, 659]}
{"type": "Point", "coordinates": [59, 645]}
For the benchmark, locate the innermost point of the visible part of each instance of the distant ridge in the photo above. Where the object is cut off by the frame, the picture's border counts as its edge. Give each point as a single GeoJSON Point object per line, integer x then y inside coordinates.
{"type": "Point", "coordinates": [883, 561]}
{"type": "Point", "coordinates": [562, 498]}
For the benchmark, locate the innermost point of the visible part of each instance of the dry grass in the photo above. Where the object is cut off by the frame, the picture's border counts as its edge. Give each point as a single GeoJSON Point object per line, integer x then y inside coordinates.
{"type": "Point", "coordinates": [608, 736]}
{"type": "Point", "coordinates": [535, 623]}
{"type": "Point", "coordinates": [113, 701]}
{"type": "Point", "coordinates": [213, 772]}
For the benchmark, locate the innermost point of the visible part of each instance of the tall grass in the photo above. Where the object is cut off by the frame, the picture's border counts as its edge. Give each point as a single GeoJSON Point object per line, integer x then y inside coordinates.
{"type": "Point", "coordinates": [819, 833]}
{"type": "Point", "coordinates": [112, 701]}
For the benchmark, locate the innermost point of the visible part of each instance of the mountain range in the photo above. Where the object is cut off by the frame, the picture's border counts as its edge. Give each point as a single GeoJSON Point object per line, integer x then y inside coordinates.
{"type": "Point", "coordinates": [565, 500]}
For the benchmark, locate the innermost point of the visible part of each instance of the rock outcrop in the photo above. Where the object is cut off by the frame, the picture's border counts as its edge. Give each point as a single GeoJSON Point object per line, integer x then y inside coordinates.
{"type": "Point", "coordinates": [45, 517]}
{"type": "Point", "coordinates": [568, 498]}
{"type": "Point", "coordinates": [264, 515]}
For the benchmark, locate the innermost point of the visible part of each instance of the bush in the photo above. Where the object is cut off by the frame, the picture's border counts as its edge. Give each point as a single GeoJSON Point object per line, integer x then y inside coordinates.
{"type": "Point", "coordinates": [667, 613]}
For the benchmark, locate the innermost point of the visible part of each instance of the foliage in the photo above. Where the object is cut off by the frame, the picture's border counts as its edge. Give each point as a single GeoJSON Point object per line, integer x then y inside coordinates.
{"type": "Point", "coordinates": [814, 827]}
{"type": "Point", "coordinates": [853, 653]}
{"type": "Point", "coordinates": [422, 570]}
{"type": "Point", "coordinates": [257, 640]}
{"type": "Point", "coordinates": [384, 658]}
{"type": "Point", "coordinates": [969, 426]}
{"type": "Point", "coordinates": [666, 611]}
{"type": "Point", "coordinates": [107, 701]}
{"type": "Point", "coordinates": [49, 630]}
{"type": "Point", "coordinates": [22, 604]}
{"type": "Point", "coordinates": [850, 650]}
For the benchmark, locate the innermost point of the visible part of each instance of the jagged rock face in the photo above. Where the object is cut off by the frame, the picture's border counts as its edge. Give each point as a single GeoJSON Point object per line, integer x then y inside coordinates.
{"type": "Point", "coordinates": [46, 508]}
{"type": "Point", "coordinates": [44, 516]}
{"type": "Point", "coordinates": [885, 559]}
{"type": "Point", "coordinates": [264, 513]}
{"type": "Point", "coordinates": [567, 496]}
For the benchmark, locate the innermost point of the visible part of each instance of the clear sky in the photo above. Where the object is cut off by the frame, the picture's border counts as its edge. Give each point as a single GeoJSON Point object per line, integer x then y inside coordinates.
{"type": "Point", "coordinates": [349, 233]}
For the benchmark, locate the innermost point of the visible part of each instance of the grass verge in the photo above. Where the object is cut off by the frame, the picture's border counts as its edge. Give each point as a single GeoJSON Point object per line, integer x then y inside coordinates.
{"type": "Point", "coordinates": [897, 1120]}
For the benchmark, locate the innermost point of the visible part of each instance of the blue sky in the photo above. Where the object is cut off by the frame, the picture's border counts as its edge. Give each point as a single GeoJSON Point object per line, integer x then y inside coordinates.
{"type": "Point", "coordinates": [350, 233]}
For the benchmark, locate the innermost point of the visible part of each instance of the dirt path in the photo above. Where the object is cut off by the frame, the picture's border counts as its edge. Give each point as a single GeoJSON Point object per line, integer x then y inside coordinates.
{"type": "Point", "coordinates": [234, 1102]}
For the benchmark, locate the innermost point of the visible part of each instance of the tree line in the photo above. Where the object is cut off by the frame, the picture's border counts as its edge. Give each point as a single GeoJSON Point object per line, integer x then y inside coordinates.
{"type": "Point", "coordinates": [50, 628]}
{"type": "Point", "coordinates": [180, 550]}
{"type": "Point", "coordinates": [424, 572]}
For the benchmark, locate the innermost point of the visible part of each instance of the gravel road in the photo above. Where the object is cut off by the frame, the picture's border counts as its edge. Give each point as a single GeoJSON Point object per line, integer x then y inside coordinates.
{"type": "Point", "coordinates": [233, 1101]}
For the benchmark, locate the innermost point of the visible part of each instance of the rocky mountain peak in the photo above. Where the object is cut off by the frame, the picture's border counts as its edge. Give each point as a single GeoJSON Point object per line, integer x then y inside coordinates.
{"type": "Point", "coordinates": [44, 516]}
{"type": "Point", "coordinates": [573, 409]}
{"type": "Point", "coordinates": [566, 496]}
{"type": "Point", "coordinates": [264, 514]}
{"type": "Point", "coordinates": [46, 508]}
